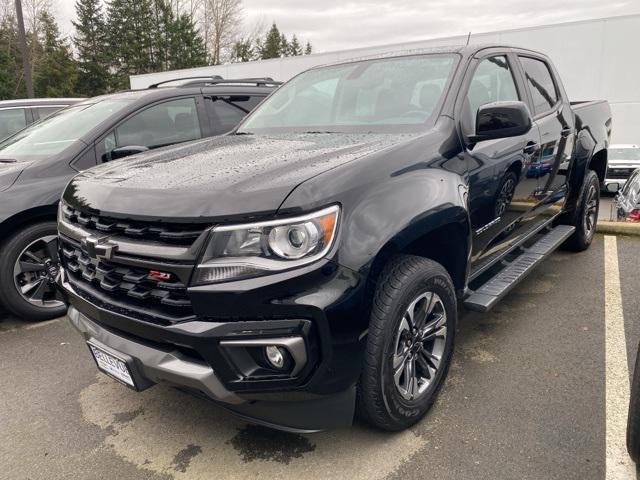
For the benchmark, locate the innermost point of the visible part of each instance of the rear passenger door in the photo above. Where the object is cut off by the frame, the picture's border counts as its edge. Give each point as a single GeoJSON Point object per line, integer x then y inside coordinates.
{"type": "Point", "coordinates": [554, 118]}
{"type": "Point", "coordinates": [225, 112]}
{"type": "Point", "coordinates": [166, 123]}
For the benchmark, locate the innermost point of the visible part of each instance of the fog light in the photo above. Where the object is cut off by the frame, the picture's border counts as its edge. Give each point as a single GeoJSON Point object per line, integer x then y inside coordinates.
{"type": "Point", "coordinates": [275, 356]}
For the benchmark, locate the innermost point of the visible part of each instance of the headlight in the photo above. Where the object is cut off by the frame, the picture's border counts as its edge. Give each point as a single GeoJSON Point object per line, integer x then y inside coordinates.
{"type": "Point", "coordinates": [235, 252]}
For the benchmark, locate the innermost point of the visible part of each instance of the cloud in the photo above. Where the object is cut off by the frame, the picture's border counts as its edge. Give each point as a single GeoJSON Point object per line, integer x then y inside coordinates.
{"type": "Point", "coordinates": [342, 24]}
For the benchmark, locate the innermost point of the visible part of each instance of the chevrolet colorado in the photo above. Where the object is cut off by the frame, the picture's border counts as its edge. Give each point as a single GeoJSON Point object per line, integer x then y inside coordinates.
{"type": "Point", "coordinates": [308, 266]}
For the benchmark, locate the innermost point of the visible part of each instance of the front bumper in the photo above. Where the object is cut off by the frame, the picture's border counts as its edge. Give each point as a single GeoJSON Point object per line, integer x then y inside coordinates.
{"type": "Point", "coordinates": [191, 354]}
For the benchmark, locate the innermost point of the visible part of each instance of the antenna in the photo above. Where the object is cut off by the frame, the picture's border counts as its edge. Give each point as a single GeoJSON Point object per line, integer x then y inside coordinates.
{"type": "Point", "coordinates": [468, 38]}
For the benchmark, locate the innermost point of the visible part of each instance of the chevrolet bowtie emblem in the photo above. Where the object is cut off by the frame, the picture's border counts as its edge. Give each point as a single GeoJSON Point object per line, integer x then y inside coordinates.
{"type": "Point", "coordinates": [99, 248]}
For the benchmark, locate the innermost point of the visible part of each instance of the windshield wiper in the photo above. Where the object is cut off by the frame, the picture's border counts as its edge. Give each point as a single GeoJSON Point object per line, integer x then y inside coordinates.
{"type": "Point", "coordinates": [8, 160]}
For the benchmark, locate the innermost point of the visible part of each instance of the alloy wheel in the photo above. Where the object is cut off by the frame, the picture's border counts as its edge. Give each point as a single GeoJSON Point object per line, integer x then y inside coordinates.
{"type": "Point", "coordinates": [419, 345]}
{"type": "Point", "coordinates": [35, 272]}
{"type": "Point", "coordinates": [590, 211]}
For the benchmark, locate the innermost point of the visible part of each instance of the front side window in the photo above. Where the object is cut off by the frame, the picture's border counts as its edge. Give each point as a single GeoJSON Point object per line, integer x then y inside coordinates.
{"type": "Point", "coordinates": [11, 121]}
{"type": "Point", "coordinates": [163, 124]}
{"type": "Point", "coordinates": [382, 95]}
{"type": "Point", "coordinates": [540, 83]}
{"type": "Point", "coordinates": [491, 82]}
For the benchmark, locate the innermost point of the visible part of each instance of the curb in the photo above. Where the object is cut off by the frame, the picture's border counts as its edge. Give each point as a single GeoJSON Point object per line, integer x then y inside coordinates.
{"type": "Point", "coordinates": [618, 228]}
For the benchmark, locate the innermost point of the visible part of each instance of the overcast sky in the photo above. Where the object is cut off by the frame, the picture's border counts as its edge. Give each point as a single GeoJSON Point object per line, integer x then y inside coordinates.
{"type": "Point", "coordinates": [342, 24]}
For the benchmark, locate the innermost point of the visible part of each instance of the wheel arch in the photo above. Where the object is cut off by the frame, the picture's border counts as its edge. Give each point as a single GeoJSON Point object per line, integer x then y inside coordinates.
{"type": "Point", "coordinates": [27, 217]}
{"type": "Point", "coordinates": [598, 164]}
{"type": "Point", "coordinates": [447, 244]}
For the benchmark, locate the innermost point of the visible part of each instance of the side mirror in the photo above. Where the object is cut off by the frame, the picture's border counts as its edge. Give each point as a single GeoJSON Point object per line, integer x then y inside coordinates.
{"type": "Point", "coordinates": [612, 187]}
{"type": "Point", "coordinates": [127, 151]}
{"type": "Point", "coordinates": [501, 120]}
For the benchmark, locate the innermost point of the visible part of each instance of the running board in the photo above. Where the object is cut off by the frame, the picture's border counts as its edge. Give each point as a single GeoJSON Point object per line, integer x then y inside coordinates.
{"type": "Point", "coordinates": [484, 298]}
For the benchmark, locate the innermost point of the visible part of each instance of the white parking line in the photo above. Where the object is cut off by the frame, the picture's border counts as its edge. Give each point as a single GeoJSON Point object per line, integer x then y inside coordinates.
{"type": "Point", "coordinates": [618, 464]}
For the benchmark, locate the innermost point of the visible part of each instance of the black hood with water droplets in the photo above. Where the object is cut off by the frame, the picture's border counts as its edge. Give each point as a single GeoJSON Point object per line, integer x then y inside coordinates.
{"type": "Point", "coordinates": [213, 179]}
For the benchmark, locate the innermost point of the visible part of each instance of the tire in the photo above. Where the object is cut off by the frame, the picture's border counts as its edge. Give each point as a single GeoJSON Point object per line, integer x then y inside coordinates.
{"type": "Point", "coordinates": [391, 402]}
{"type": "Point", "coordinates": [633, 423]}
{"type": "Point", "coordinates": [40, 302]}
{"type": "Point", "coordinates": [585, 217]}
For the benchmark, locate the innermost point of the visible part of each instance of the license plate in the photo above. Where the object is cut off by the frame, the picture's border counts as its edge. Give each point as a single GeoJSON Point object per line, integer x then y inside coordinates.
{"type": "Point", "coordinates": [112, 366]}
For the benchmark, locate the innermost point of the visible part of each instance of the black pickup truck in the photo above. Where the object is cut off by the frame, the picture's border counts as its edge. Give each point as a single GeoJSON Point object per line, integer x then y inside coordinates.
{"type": "Point", "coordinates": [308, 266]}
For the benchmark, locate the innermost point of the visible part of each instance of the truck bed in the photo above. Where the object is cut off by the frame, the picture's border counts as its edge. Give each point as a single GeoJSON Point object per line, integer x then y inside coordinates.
{"type": "Point", "coordinates": [590, 115]}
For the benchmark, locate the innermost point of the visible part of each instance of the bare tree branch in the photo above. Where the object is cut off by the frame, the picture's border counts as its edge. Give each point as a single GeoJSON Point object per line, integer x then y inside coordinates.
{"type": "Point", "coordinates": [222, 24]}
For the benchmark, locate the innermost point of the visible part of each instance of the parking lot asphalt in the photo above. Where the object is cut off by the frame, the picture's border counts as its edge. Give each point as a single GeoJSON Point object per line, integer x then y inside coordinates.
{"type": "Point", "coordinates": [525, 399]}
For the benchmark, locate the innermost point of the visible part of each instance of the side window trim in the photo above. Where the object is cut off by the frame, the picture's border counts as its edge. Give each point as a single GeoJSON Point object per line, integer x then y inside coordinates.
{"type": "Point", "coordinates": [552, 110]}
{"type": "Point", "coordinates": [468, 77]}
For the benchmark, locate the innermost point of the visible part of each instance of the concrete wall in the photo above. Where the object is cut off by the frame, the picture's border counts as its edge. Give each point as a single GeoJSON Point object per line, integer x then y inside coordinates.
{"type": "Point", "coordinates": [596, 59]}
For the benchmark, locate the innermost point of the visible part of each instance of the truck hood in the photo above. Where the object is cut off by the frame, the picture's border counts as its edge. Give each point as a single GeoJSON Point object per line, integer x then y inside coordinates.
{"type": "Point", "coordinates": [225, 177]}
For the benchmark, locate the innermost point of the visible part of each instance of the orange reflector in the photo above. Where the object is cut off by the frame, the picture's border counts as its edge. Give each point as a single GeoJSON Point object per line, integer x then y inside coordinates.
{"type": "Point", "coordinates": [328, 225]}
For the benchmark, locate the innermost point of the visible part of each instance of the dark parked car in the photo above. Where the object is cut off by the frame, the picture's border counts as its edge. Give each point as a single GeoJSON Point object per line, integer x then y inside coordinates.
{"type": "Point", "coordinates": [37, 163]}
{"type": "Point", "coordinates": [312, 263]}
{"type": "Point", "coordinates": [17, 114]}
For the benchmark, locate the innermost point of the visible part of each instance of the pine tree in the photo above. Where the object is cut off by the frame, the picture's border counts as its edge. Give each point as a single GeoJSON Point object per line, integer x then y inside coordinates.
{"type": "Point", "coordinates": [11, 85]}
{"type": "Point", "coordinates": [187, 47]}
{"type": "Point", "coordinates": [284, 45]}
{"type": "Point", "coordinates": [130, 38]}
{"type": "Point", "coordinates": [308, 49]}
{"type": "Point", "coordinates": [56, 71]}
{"type": "Point", "coordinates": [90, 43]}
{"type": "Point", "coordinates": [295, 48]}
{"type": "Point", "coordinates": [244, 51]}
{"type": "Point", "coordinates": [271, 48]}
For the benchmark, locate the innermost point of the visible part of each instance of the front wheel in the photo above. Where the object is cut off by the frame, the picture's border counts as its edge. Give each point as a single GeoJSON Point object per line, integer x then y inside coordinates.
{"type": "Point", "coordinates": [585, 217]}
{"type": "Point", "coordinates": [28, 268]}
{"type": "Point", "coordinates": [410, 342]}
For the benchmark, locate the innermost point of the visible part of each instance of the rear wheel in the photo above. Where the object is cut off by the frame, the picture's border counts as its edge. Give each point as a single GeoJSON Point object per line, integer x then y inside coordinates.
{"type": "Point", "coordinates": [585, 218]}
{"type": "Point", "coordinates": [28, 267]}
{"type": "Point", "coordinates": [410, 342]}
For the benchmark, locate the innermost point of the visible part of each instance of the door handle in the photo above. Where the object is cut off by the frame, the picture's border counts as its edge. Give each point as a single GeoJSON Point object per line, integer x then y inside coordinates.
{"type": "Point", "coordinates": [566, 131]}
{"type": "Point", "coordinates": [530, 148]}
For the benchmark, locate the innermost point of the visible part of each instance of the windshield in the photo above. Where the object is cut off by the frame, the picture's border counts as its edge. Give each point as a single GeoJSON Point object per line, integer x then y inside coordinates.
{"type": "Point", "coordinates": [624, 153]}
{"type": "Point", "coordinates": [383, 95]}
{"type": "Point", "coordinates": [59, 131]}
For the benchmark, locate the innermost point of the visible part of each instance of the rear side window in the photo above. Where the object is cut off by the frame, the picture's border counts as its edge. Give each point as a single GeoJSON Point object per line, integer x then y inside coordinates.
{"type": "Point", "coordinates": [540, 84]}
{"type": "Point", "coordinates": [12, 120]}
{"type": "Point", "coordinates": [226, 112]}
{"type": "Point", "coordinates": [163, 124]}
{"type": "Point", "coordinates": [44, 112]}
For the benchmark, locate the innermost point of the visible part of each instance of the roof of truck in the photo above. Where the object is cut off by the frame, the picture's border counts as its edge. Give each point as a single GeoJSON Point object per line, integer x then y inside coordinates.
{"type": "Point", "coordinates": [466, 50]}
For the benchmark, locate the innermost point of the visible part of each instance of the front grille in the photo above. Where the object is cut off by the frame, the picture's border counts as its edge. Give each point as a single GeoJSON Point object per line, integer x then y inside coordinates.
{"type": "Point", "coordinates": [174, 233]}
{"type": "Point", "coordinates": [619, 173]}
{"type": "Point", "coordinates": [125, 289]}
